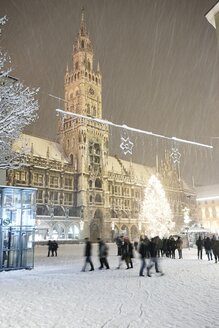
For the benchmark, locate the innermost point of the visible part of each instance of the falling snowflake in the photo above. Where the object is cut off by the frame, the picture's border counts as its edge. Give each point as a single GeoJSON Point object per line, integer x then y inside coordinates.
{"type": "Point", "coordinates": [126, 145]}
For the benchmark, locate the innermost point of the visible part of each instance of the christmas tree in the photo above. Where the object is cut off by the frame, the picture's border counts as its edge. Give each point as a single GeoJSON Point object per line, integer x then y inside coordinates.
{"type": "Point", "coordinates": [156, 212]}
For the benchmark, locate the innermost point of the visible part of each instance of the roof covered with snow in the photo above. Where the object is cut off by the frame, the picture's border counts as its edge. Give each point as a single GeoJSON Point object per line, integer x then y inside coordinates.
{"type": "Point", "coordinates": [141, 172]}
{"type": "Point", "coordinates": [40, 147]}
{"type": "Point", "coordinates": [208, 191]}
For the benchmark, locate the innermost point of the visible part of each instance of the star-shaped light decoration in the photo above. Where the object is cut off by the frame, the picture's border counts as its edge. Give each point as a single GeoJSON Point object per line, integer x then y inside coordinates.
{"type": "Point", "coordinates": [175, 155]}
{"type": "Point", "coordinates": [126, 145]}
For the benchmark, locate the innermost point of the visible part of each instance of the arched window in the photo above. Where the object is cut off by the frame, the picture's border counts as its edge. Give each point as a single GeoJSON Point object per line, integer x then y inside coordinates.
{"type": "Point", "coordinates": [98, 183]}
{"type": "Point", "coordinates": [72, 159]}
{"type": "Point", "coordinates": [98, 199]}
{"type": "Point", "coordinates": [88, 65]}
{"type": "Point", "coordinates": [82, 44]}
{"type": "Point", "coordinates": [90, 184]}
{"type": "Point", "coordinates": [91, 199]}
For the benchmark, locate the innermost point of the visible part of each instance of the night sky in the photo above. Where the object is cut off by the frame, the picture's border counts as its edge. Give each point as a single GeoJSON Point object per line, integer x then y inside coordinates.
{"type": "Point", "coordinates": [159, 65]}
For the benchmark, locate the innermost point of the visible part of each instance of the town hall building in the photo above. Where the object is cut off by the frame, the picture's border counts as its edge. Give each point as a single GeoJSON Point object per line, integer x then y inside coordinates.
{"type": "Point", "coordinates": [83, 191]}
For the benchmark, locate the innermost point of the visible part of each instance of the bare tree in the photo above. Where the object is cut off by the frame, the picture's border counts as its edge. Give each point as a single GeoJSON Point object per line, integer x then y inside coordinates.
{"type": "Point", "coordinates": [18, 109]}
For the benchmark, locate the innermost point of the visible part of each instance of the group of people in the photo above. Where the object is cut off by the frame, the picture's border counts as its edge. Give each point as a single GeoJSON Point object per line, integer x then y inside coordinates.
{"type": "Point", "coordinates": [52, 248]}
{"type": "Point", "coordinates": [149, 250]}
{"type": "Point", "coordinates": [103, 253]}
{"type": "Point", "coordinates": [211, 246]}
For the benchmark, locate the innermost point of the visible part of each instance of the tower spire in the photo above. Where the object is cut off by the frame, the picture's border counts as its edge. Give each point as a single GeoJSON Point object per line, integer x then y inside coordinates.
{"type": "Point", "coordinates": [83, 29]}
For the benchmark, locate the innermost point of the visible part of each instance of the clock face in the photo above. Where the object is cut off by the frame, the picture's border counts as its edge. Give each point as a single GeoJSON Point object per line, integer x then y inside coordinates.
{"type": "Point", "coordinates": [91, 91]}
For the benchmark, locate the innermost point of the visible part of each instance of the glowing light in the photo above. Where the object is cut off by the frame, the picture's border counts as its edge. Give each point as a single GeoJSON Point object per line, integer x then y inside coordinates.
{"type": "Point", "coordinates": [207, 198]}
{"type": "Point", "coordinates": [156, 211]}
{"type": "Point", "coordinates": [126, 145]}
{"type": "Point", "coordinates": [99, 120]}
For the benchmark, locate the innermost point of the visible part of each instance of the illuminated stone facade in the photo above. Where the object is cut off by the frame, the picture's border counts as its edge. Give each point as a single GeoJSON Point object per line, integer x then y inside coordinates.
{"type": "Point", "coordinates": [82, 190]}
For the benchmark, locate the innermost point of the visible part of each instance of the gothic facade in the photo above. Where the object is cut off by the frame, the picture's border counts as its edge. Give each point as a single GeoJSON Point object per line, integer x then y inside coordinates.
{"type": "Point", "coordinates": [82, 190]}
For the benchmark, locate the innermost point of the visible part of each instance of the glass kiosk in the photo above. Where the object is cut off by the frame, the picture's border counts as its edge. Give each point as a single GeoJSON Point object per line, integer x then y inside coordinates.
{"type": "Point", "coordinates": [17, 226]}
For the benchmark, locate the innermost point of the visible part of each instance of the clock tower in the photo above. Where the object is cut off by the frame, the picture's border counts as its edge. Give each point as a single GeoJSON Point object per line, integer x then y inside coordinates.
{"type": "Point", "coordinates": [85, 141]}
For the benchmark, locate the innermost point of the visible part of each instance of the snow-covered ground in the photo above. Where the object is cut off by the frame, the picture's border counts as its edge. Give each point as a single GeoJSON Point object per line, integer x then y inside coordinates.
{"type": "Point", "coordinates": [57, 294]}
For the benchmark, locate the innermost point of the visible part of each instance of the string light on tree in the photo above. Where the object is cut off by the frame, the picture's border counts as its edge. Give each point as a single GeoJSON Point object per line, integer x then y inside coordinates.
{"type": "Point", "coordinates": [156, 211]}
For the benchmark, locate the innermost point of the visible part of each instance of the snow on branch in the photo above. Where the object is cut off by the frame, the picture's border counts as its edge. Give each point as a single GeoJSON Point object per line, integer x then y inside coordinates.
{"type": "Point", "coordinates": [18, 109]}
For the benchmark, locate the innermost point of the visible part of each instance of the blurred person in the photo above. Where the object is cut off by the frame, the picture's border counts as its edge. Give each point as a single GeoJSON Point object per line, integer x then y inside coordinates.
{"type": "Point", "coordinates": [172, 247]}
{"type": "Point", "coordinates": [215, 248]}
{"type": "Point", "coordinates": [50, 251]}
{"type": "Point", "coordinates": [159, 246]}
{"type": "Point", "coordinates": [142, 252]}
{"type": "Point", "coordinates": [128, 253]}
{"type": "Point", "coordinates": [179, 246]}
{"type": "Point", "coordinates": [103, 253]}
{"type": "Point", "coordinates": [153, 257]}
{"type": "Point", "coordinates": [136, 244]}
{"type": "Point", "coordinates": [87, 254]}
{"type": "Point", "coordinates": [199, 244]}
{"type": "Point", "coordinates": [55, 247]}
{"type": "Point", "coordinates": [208, 248]}
{"type": "Point", "coordinates": [119, 242]}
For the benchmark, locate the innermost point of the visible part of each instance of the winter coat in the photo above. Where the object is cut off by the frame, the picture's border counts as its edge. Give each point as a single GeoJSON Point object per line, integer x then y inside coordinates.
{"type": "Point", "coordinates": [179, 244]}
{"type": "Point", "coordinates": [55, 246]}
{"type": "Point", "coordinates": [127, 250]}
{"type": "Point", "coordinates": [215, 247]}
{"type": "Point", "coordinates": [207, 244]}
{"type": "Point", "coordinates": [199, 243]}
{"type": "Point", "coordinates": [153, 248]}
{"type": "Point", "coordinates": [103, 249]}
{"type": "Point", "coordinates": [88, 248]}
{"type": "Point", "coordinates": [142, 249]}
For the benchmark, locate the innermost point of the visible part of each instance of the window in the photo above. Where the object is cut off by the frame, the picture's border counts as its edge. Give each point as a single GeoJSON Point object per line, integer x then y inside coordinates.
{"type": "Point", "coordinates": [98, 183]}
{"type": "Point", "coordinates": [20, 176]}
{"type": "Point", "coordinates": [38, 179]}
{"type": "Point", "coordinates": [98, 199]}
{"type": "Point", "coordinates": [68, 183]}
{"type": "Point", "coordinates": [54, 181]}
{"type": "Point", "coordinates": [39, 196]}
{"type": "Point", "coordinates": [54, 196]}
{"type": "Point", "coordinates": [68, 199]}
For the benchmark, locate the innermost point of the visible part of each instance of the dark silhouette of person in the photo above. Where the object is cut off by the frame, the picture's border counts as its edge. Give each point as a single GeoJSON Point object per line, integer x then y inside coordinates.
{"type": "Point", "coordinates": [153, 258]}
{"type": "Point", "coordinates": [87, 254]}
{"type": "Point", "coordinates": [199, 244]}
{"type": "Point", "coordinates": [142, 252]}
{"type": "Point", "coordinates": [103, 252]}
{"type": "Point", "coordinates": [127, 252]}
{"type": "Point", "coordinates": [50, 248]}
{"type": "Point", "coordinates": [55, 247]}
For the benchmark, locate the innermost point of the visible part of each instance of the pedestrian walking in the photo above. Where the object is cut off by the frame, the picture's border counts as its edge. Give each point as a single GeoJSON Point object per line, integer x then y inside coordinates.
{"type": "Point", "coordinates": [103, 253]}
{"type": "Point", "coordinates": [208, 248]}
{"type": "Point", "coordinates": [179, 246]}
{"type": "Point", "coordinates": [87, 254]}
{"type": "Point", "coordinates": [142, 252]}
{"type": "Point", "coordinates": [127, 253]}
{"type": "Point", "coordinates": [153, 259]}
{"type": "Point", "coordinates": [199, 244]}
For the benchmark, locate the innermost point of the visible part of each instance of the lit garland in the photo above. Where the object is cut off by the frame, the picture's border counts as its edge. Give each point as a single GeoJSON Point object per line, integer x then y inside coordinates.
{"type": "Point", "coordinates": [126, 127]}
{"type": "Point", "coordinates": [156, 212]}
